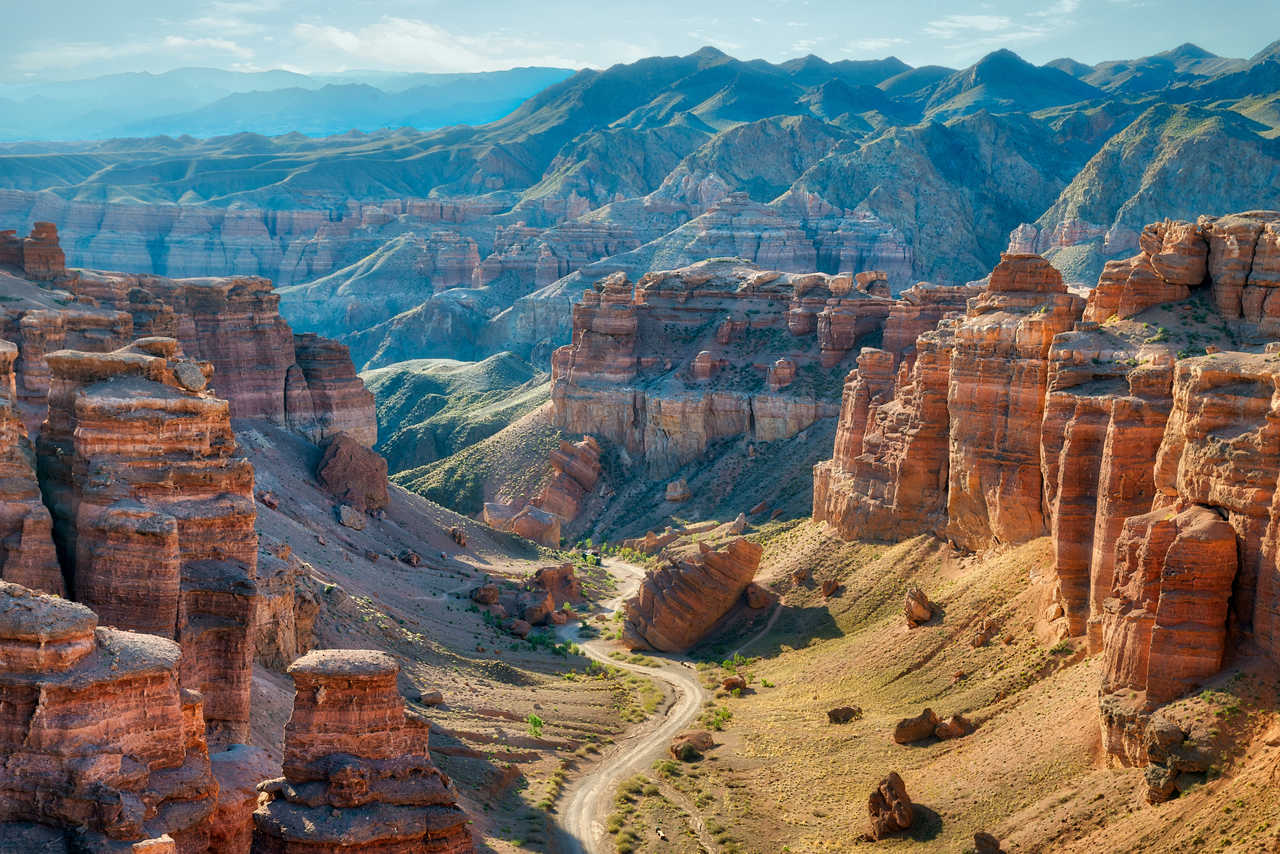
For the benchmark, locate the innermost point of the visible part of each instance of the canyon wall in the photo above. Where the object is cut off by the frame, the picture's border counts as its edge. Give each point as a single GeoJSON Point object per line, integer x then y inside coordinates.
{"type": "Point", "coordinates": [720, 349]}
{"type": "Point", "coordinates": [1141, 436]}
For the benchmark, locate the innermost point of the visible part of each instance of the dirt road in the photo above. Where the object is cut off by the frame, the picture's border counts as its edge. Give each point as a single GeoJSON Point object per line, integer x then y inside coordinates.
{"type": "Point", "coordinates": [588, 801]}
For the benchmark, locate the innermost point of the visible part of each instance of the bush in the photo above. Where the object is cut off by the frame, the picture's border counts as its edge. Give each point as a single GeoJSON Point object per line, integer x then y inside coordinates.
{"type": "Point", "coordinates": [535, 725]}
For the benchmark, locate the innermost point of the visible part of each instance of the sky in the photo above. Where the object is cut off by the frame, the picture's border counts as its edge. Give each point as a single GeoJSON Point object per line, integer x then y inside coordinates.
{"type": "Point", "coordinates": [83, 38]}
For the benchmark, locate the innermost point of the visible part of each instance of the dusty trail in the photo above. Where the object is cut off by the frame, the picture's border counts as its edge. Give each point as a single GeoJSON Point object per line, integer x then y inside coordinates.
{"type": "Point", "coordinates": [588, 801]}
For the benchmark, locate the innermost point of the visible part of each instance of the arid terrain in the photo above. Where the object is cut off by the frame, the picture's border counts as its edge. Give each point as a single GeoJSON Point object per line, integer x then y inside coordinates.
{"type": "Point", "coordinates": [692, 455]}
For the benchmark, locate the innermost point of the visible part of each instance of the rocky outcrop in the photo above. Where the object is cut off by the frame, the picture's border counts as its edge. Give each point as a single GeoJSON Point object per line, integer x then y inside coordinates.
{"type": "Point", "coordinates": [1165, 627]}
{"type": "Point", "coordinates": [339, 399]}
{"type": "Point", "coordinates": [918, 310]}
{"type": "Point", "coordinates": [353, 474]}
{"type": "Point", "coordinates": [999, 376]}
{"type": "Point", "coordinates": [38, 255]}
{"type": "Point", "coordinates": [357, 773]}
{"type": "Point", "coordinates": [890, 807]}
{"type": "Point", "coordinates": [641, 371]}
{"type": "Point", "coordinates": [27, 555]}
{"type": "Point", "coordinates": [100, 743]}
{"type": "Point", "coordinates": [678, 603]}
{"type": "Point", "coordinates": [153, 511]}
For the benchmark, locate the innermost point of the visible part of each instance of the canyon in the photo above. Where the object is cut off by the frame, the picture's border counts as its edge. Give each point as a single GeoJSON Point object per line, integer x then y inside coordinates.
{"type": "Point", "coordinates": [1135, 428]}
{"type": "Point", "coordinates": [466, 241]}
{"type": "Point", "coordinates": [128, 702]}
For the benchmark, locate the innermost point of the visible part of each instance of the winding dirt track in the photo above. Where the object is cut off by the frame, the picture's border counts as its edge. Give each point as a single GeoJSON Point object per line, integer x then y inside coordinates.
{"type": "Point", "coordinates": [588, 801]}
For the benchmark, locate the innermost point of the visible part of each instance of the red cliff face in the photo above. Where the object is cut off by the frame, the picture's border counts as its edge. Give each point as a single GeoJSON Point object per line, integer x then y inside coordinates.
{"type": "Point", "coordinates": [97, 735]}
{"type": "Point", "coordinates": [154, 513]}
{"type": "Point", "coordinates": [685, 357]}
{"type": "Point", "coordinates": [999, 375]}
{"type": "Point", "coordinates": [1149, 456]}
{"type": "Point", "coordinates": [357, 774]}
{"type": "Point", "coordinates": [678, 604]}
{"type": "Point", "coordinates": [895, 485]}
{"type": "Point", "coordinates": [26, 541]}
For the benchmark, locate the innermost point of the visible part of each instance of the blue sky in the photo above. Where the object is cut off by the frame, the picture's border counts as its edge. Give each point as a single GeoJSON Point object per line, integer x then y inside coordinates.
{"type": "Point", "coordinates": [77, 38]}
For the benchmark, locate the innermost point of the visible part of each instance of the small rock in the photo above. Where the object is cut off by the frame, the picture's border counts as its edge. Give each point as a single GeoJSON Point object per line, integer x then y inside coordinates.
{"type": "Point", "coordinates": [918, 728]}
{"type": "Point", "coordinates": [734, 683]}
{"type": "Point", "coordinates": [955, 726]}
{"type": "Point", "coordinates": [759, 508]}
{"type": "Point", "coordinates": [843, 714]}
{"type": "Point", "coordinates": [485, 594]}
{"type": "Point", "coordinates": [371, 556]}
{"type": "Point", "coordinates": [889, 807]}
{"type": "Point", "coordinates": [829, 587]}
{"type": "Point", "coordinates": [350, 517]}
{"type": "Point", "coordinates": [431, 698]}
{"type": "Point", "coordinates": [520, 628]}
{"type": "Point", "coordinates": [559, 618]}
{"type": "Point", "coordinates": [678, 491]}
{"type": "Point", "coordinates": [459, 536]}
{"type": "Point", "coordinates": [268, 500]}
{"type": "Point", "coordinates": [410, 557]}
{"type": "Point", "coordinates": [982, 633]}
{"type": "Point", "coordinates": [801, 575]}
{"type": "Point", "coordinates": [985, 843]}
{"type": "Point", "coordinates": [189, 376]}
{"type": "Point", "coordinates": [688, 746]}
{"type": "Point", "coordinates": [918, 608]}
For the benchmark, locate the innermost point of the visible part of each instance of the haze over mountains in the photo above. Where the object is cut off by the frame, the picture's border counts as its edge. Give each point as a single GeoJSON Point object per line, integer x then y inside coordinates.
{"type": "Point", "coordinates": [473, 239]}
{"type": "Point", "coordinates": [212, 102]}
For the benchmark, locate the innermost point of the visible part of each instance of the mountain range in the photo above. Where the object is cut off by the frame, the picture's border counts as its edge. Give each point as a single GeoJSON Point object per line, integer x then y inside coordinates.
{"type": "Point", "coordinates": [473, 239]}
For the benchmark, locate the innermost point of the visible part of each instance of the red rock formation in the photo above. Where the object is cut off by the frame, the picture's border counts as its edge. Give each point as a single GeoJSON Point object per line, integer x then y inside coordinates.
{"type": "Point", "coordinates": [677, 604]}
{"type": "Point", "coordinates": [999, 374]}
{"type": "Point", "coordinates": [353, 474]}
{"type": "Point", "coordinates": [616, 380]}
{"type": "Point", "coordinates": [1165, 626]}
{"type": "Point", "coordinates": [26, 540]}
{"type": "Point", "coordinates": [895, 485]}
{"type": "Point", "coordinates": [339, 399]}
{"type": "Point", "coordinates": [265, 371]}
{"type": "Point", "coordinates": [42, 257]}
{"type": "Point", "coordinates": [154, 513]}
{"type": "Point", "coordinates": [357, 774]}
{"type": "Point", "coordinates": [575, 469]}
{"type": "Point", "coordinates": [889, 807]}
{"type": "Point", "coordinates": [99, 741]}
{"type": "Point", "coordinates": [918, 310]}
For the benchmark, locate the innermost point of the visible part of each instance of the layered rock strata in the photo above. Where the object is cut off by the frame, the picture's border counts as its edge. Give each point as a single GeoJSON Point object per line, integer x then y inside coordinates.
{"type": "Point", "coordinates": [101, 745]}
{"type": "Point", "coordinates": [153, 511]}
{"type": "Point", "coordinates": [27, 556]}
{"type": "Point", "coordinates": [683, 358]}
{"type": "Point", "coordinates": [1143, 438]}
{"type": "Point", "coordinates": [677, 604]}
{"type": "Point", "coordinates": [357, 774]}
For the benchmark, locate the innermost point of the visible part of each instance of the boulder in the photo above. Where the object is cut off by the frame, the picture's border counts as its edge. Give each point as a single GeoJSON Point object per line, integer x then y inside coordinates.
{"type": "Point", "coordinates": [829, 587]}
{"type": "Point", "coordinates": [353, 473]}
{"type": "Point", "coordinates": [679, 602]}
{"type": "Point", "coordinates": [985, 843]}
{"type": "Point", "coordinates": [734, 683]}
{"type": "Point", "coordinates": [918, 608]}
{"type": "Point", "coordinates": [486, 594]}
{"type": "Point", "coordinates": [956, 726]}
{"type": "Point", "coordinates": [350, 517]}
{"type": "Point", "coordinates": [519, 628]}
{"type": "Point", "coordinates": [920, 727]}
{"type": "Point", "coordinates": [889, 807]}
{"type": "Point", "coordinates": [690, 745]}
{"type": "Point", "coordinates": [759, 597]}
{"type": "Point", "coordinates": [678, 491]}
{"type": "Point", "coordinates": [843, 714]}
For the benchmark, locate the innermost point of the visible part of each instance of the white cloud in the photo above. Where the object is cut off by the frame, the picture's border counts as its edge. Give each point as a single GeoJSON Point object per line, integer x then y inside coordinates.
{"type": "Point", "coordinates": [1058, 9]}
{"type": "Point", "coordinates": [873, 44]}
{"type": "Point", "coordinates": [406, 44]}
{"type": "Point", "coordinates": [208, 44]}
{"type": "Point", "coordinates": [957, 26]}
